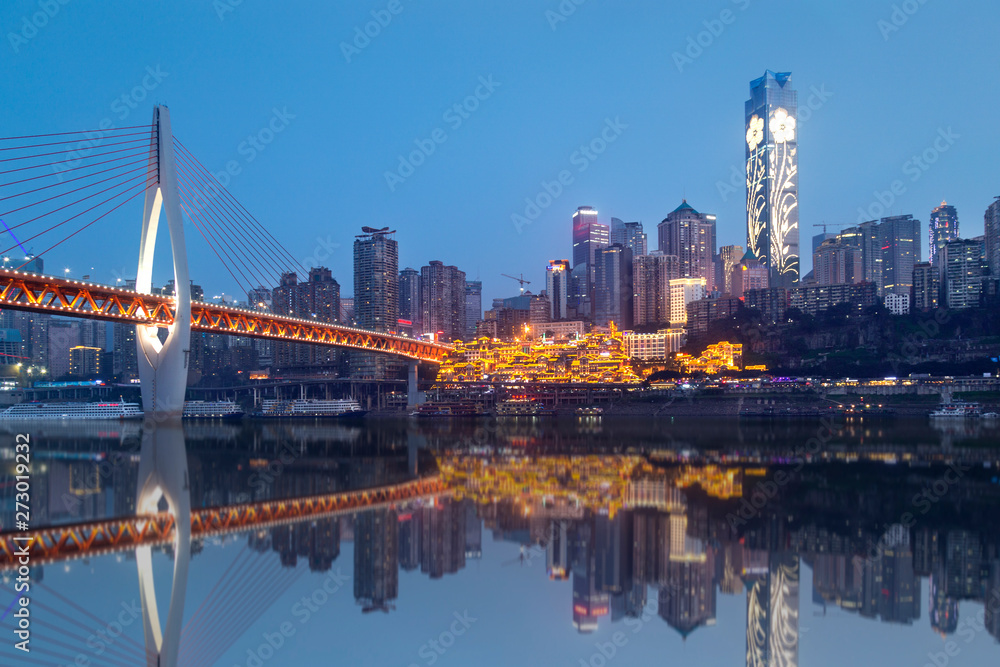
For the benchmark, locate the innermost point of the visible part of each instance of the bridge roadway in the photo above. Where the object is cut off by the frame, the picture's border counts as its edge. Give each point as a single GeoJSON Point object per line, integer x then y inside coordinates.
{"type": "Point", "coordinates": [73, 298]}
{"type": "Point", "coordinates": [95, 538]}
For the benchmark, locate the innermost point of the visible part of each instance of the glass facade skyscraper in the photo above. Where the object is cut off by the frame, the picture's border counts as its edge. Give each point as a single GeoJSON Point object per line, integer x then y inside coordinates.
{"type": "Point", "coordinates": [942, 228]}
{"type": "Point", "coordinates": [773, 176]}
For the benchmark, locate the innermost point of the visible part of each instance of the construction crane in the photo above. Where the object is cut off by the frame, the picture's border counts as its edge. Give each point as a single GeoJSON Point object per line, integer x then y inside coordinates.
{"type": "Point", "coordinates": [521, 280]}
{"type": "Point", "coordinates": [824, 225]}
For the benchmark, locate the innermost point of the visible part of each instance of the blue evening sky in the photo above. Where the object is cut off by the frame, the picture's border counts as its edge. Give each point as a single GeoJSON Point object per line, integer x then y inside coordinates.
{"type": "Point", "coordinates": [884, 96]}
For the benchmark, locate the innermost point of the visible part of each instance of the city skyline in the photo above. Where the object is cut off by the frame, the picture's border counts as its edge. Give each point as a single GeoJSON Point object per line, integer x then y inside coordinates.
{"type": "Point", "coordinates": [629, 180]}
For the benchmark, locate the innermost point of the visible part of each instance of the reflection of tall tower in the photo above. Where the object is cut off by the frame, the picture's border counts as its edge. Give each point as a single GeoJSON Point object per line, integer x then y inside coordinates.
{"type": "Point", "coordinates": [773, 614]}
{"type": "Point", "coordinates": [376, 559]}
{"type": "Point", "coordinates": [557, 551]}
{"type": "Point", "coordinates": [773, 176]}
{"type": "Point", "coordinates": [324, 544]}
{"type": "Point", "coordinates": [442, 541]}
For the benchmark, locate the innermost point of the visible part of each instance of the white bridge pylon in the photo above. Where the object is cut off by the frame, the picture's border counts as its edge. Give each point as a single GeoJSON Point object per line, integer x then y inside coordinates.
{"type": "Point", "coordinates": [163, 370]}
{"type": "Point", "coordinates": [163, 367]}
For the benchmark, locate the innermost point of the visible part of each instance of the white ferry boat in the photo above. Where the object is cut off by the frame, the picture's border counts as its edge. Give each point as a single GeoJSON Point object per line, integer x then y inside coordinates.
{"type": "Point", "coordinates": [212, 410]}
{"type": "Point", "coordinates": [54, 411]}
{"type": "Point", "coordinates": [341, 408]}
{"type": "Point", "coordinates": [956, 410]}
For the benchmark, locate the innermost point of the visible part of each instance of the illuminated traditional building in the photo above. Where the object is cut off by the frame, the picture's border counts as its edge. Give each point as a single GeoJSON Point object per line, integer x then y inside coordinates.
{"type": "Point", "coordinates": [716, 358]}
{"type": "Point", "coordinates": [773, 176]}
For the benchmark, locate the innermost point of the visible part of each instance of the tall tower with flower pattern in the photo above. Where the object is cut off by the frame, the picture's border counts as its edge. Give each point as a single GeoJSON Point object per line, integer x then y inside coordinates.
{"type": "Point", "coordinates": [773, 176]}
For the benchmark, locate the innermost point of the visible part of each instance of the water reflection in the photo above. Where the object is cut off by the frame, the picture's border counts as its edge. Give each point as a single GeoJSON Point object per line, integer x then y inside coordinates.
{"type": "Point", "coordinates": [629, 521]}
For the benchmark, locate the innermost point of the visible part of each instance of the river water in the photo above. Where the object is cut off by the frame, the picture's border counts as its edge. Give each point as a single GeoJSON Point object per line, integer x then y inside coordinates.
{"type": "Point", "coordinates": [551, 542]}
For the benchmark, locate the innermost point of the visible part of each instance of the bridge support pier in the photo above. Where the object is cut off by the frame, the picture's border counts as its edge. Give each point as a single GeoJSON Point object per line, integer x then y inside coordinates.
{"type": "Point", "coordinates": [414, 396]}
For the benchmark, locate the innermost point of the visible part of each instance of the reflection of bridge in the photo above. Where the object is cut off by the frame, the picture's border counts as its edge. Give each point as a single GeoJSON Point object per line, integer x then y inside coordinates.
{"type": "Point", "coordinates": [57, 543]}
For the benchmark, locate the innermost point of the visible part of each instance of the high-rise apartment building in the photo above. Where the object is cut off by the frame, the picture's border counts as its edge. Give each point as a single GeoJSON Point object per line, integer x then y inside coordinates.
{"type": "Point", "coordinates": [837, 263]}
{"type": "Point", "coordinates": [589, 236]}
{"type": "Point", "coordinates": [691, 236]}
{"type": "Point", "coordinates": [773, 176]}
{"type": "Point", "coordinates": [557, 279]}
{"type": "Point", "coordinates": [442, 301]}
{"type": "Point", "coordinates": [651, 276]}
{"type": "Point", "coordinates": [943, 227]}
{"type": "Point", "coordinates": [85, 361]}
{"type": "Point", "coordinates": [376, 296]}
{"type": "Point", "coordinates": [991, 229]}
{"type": "Point", "coordinates": [613, 290]}
{"type": "Point", "coordinates": [409, 299]}
{"type": "Point", "coordinates": [748, 274]}
{"type": "Point", "coordinates": [962, 272]}
{"type": "Point", "coordinates": [317, 298]}
{"type": "Point", "coordinates": [926, 292]}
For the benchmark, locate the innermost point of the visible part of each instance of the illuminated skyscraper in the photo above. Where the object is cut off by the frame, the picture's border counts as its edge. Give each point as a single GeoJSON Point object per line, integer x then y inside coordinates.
{"type": "Point", "coordinates": [991, 228]}
{"type": "Point", "coordinates": [691, 236]}
{"type": "Point", "coordinates": [630, 235]}
{"type": "Point", "coordinates": [613, 290]}
{"type": "Point", "coordinates": [773, 176]}
{"type": "Point", "coordinates": [473, 306]}
{"type": "Point", "coordinates": [589, 236]}
{"type": "Point", "coordinates": [729, 257]}
{"type": "Point", "coordinates": [942, 228]}
{"type": "Point", "coordinates": [557, 278]}
{"type": "Point", "coordinates": [376, 296]}
{"type": "Point", "coordinates": [409, 298]}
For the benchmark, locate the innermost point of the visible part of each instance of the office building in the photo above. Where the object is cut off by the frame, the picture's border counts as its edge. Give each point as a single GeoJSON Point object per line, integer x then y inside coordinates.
{"type": "Point", "coordinates": [943, 227]}
{"type": "Point", "coordinates": [589, 236]}
{"type": "Point", "coordinates": [962, 272]}
{"type": "Point", "coordinates": [613, 289]}
{"type": "Point", "coordinates": [630, 235]}
{"type": "Point", "coordinates": [442, 301]}
{"type": "Point", "coordinates": [651, 276]}
{"type": "Point", "coordinates": [557, 279]}
{"type": "Point", "coordinates": [473, 306]}
{"type": "Point", "coordinates": [650, 346]}
{"type": "Point", "coordinates": [900, 241]}
{"type": "Point", "coordinates": [690, 236]}
{"type": "Point", "coordinates": [409, 300]}
{"type": "Point", "coordinates": [773, 177]}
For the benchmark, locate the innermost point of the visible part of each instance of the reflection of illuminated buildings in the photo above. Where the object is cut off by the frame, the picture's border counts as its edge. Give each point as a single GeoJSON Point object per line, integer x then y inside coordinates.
{"type": "Point", "coordinates": [557, 551]}
{"type": "Point", "coordinates": [376, 559]}
{"type": "Point", "coordinates": [899, 601]}
{"type": "Point", "coordinates": [324, 544]}
{"type": "Point", "coordinates": [589, 601]}
{"type": "Point", "coordinates": [992, 600]}
{"type": "Point", "coordinates": [944, 610]}
{"type": "Point", "coordinates": [687, 601]}
{"type": "Point", "coordinates": [442, 538]}
{"type": "Point", "coordinates": [473, 533]}
{"type": "Point", "coordinates": [409, 540]}
{"type": "Point", "coordinates": [773, 614]}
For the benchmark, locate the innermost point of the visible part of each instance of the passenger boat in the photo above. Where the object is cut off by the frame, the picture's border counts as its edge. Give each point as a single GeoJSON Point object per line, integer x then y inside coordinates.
{"type": "Point", "coordinates": [36, 411]}
{"type": "Point", "coordinates": [956, 410]}
{"type": "Point", "coordinates": [339, 408]}
{"type": "Point", "coordinates": [212, 410]}
{"type": "Point", "coordinates": [522, 407]}
{"type": "Point", "coordinates": [454, 409]}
